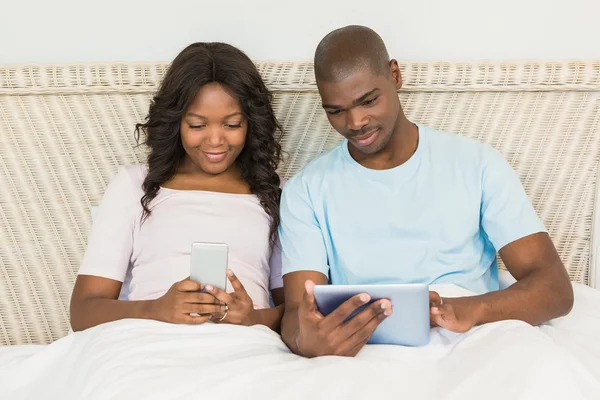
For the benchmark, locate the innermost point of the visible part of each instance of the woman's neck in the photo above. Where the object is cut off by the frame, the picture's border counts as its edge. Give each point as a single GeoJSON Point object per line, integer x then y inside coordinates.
{"type": "Point", "coordinates": [190, 177]}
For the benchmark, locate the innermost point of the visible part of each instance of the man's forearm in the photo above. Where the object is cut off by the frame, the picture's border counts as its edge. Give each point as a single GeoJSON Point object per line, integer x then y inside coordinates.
{"type": "Point", "coordinates": [95, 311]}
{"type": "Point", "coordinates": [535, 299]}
{"type": "Point", "coordinates": [289, 329]}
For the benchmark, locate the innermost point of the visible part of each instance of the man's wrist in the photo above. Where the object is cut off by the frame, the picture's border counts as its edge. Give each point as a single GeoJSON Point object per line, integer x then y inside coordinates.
{"type": "Point", "coordinates": [475, 309]}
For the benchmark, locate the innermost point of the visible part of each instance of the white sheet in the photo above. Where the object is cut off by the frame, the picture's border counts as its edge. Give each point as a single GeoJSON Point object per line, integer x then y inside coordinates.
{"type": "Point", "coordinates": [136, 359]}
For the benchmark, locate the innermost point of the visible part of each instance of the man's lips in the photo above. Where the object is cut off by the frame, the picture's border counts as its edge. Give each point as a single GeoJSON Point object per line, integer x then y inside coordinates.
{"type": "Point", "coordinates": [367, 138]}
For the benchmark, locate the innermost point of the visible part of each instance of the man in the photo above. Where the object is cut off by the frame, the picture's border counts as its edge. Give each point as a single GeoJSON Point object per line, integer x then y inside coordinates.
{"type": "Point", "coordinates": [399, 203]}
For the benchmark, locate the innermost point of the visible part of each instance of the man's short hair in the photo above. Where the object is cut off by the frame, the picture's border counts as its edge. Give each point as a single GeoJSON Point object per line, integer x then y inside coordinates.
{"type": "Point", "coordinates": [347, 50]}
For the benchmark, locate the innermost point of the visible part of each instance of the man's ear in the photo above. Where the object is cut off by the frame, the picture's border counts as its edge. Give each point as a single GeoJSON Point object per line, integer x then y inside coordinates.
{"type": "Point", "coordinates": [396, 75]}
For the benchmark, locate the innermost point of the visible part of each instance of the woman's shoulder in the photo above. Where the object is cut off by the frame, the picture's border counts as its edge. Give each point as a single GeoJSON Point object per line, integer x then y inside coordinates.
{"type": "Point", "coordinates": [129, 179]}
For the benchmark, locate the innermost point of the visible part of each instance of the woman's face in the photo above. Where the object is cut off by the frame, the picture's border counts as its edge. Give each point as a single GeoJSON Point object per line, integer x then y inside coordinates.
{"type": "Point", "coordinates": [213, 129]}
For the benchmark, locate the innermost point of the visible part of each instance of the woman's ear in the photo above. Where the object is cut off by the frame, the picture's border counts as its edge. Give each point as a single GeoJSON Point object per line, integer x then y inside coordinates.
{"type": "Point", "coordinates": [396, 75]}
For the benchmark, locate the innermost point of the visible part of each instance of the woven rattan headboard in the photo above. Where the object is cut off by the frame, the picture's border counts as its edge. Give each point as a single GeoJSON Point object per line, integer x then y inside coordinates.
{"type": "Point", "coordinates": [65, 129]}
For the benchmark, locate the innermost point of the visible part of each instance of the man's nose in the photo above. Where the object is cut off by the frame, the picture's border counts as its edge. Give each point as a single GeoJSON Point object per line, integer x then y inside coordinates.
{"type": "Point", "coordinates": [356, 119]}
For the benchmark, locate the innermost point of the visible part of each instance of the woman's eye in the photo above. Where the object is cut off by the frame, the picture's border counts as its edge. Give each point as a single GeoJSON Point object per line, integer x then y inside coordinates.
{"type": "Point", "coordinates": [196, 126]}
{"type": "Point", "coordinates": [233, 126]}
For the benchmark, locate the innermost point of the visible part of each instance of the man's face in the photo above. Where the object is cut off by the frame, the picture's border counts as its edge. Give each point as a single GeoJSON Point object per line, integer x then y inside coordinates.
{"type": "Point", "coordinates": [363, 107]}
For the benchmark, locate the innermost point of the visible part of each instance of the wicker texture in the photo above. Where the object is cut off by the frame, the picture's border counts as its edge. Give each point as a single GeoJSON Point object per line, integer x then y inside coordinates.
{"type": "Point", "coordinates": [64, 130]}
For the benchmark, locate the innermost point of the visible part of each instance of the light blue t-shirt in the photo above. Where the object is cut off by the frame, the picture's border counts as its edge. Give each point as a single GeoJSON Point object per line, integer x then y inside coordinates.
{"type": "Point", "coordinates": [440, 217]}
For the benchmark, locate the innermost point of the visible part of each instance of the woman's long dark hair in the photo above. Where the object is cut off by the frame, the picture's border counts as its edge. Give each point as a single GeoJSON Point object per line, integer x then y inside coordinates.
{"type": "Point", "coordinates": [197, 65]}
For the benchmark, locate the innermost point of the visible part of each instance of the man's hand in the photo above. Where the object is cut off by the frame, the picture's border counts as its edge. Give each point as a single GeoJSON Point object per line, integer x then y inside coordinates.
{"type": "Point", "coordinates": [451, 314]}
{"type": "Point", "coordinates": [318, 335]}
{"type": "Point", "coordinates": [542, 291]}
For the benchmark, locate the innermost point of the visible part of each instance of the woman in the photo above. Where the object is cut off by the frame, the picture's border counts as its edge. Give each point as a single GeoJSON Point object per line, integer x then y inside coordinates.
{"type": "Point", "coordinates": [211, 177]}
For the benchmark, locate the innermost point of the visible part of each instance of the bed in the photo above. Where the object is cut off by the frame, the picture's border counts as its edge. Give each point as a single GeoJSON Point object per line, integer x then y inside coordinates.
{"type": "Point", "coordinates": [66, 129]}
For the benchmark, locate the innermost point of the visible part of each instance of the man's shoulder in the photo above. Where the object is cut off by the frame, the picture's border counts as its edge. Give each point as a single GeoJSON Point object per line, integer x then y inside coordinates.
{"type": "Point", "coordinates": [466, 153]}
{"type": "Point", "coordinates": [457, 148]}
{"type": "Point", "coordinates": [317, 169]}
{"type": "Point", "coordinates": [439, 139]}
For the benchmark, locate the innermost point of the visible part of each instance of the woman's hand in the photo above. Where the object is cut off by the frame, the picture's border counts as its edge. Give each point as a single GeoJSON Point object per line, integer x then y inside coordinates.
{"type": "Point", "coordinates": [239, 308]}
{"type": "Point", "coordinates": [181, 300]}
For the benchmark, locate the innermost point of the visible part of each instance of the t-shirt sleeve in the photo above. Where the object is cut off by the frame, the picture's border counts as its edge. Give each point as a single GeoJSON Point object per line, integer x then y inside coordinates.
{"type": "Point", "coordinates": [110, 241]}
{"type": "Point", "coordinates": [506, 212]}
{"type": "Point", "coordinates": [302, 244]}
{"type": "Point", "coordinates": [275, 278]}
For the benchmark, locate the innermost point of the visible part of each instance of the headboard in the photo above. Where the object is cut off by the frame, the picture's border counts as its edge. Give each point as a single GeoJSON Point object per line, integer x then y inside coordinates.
{"type": "Point", "coordinates": [64, 130]}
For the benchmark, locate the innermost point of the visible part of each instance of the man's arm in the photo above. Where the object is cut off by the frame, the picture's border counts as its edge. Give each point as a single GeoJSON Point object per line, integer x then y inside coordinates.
{"type": "Point", "coordinates": [542, 292]}
{"type": "Point", "coordinates": [294, 289]}
{"type": "Point", "coordinates": [304, 262]}
{"type": "Point", "coordinates": [308, 333]}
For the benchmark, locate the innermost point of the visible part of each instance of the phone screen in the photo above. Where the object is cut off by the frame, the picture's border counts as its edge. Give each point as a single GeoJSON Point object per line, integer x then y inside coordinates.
{"type": "Point", "coordinates": [208, 264]}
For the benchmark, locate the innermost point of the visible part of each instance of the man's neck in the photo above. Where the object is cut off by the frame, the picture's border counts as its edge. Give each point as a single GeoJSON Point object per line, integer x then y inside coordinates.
{"type": "Point", "coordinates": [400, 148]}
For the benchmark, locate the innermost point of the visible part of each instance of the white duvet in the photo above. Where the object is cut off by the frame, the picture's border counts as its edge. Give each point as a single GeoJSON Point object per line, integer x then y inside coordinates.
{"type": "Point", "coordinates": [137, 359]}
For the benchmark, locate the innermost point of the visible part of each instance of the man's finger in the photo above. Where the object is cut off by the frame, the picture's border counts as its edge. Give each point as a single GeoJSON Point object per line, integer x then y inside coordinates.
{"type": "Point", "coordinates": [434, 299]}
{"type": "Point", "coordinates": [236, 284]}
{"type": "Point", "coordinates": [309, 304]}
{"type": "Point", "coordinates": [358, 339]}
{"type": "Point", "coordinates": [340, 314]}
{"type": "Point", "coordinates": [371, 316]}
{"type": "Point", "coordinates": [440, 315]}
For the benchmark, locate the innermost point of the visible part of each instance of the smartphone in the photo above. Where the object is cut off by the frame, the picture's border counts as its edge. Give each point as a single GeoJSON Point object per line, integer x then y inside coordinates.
{"type": "Point", "coordinates": [208, 264]}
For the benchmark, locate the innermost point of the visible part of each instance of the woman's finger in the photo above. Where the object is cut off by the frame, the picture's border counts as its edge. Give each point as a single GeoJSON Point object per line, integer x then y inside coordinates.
{"type": "Point", "coordinates": [199, 298]}
{"type": "Point", "coordinates": [188, 285]}
{"type": "Point", "coordinates": [220, 316]}
{"type": "Point", "coordinates": [236, 284]}
{"type": "Point", "coordinates": [195, 319]}
{"type": "Point", "coordinates": [203, 309]}
{"type": "Point", "coordinates": [219, 294]}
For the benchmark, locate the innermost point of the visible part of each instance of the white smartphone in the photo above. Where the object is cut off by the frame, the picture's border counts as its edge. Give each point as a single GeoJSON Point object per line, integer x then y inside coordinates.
{"type": "Point", "coordinates": [208, 264]}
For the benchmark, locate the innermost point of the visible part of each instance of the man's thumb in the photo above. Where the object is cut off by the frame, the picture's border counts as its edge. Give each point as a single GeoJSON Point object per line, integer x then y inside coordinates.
{"type": "Point", "coordinates": [309, 296]}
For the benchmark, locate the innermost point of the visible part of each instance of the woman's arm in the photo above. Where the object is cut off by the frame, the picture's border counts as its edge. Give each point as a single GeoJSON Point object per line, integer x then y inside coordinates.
{"type": "Point", "coordinates": [94, 302]}
{"type": "Point", "coordinates": [270, 317]}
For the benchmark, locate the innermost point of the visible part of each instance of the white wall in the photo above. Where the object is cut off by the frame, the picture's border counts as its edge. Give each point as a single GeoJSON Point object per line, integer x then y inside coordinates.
{"type": "Point", "coordinates": [62, 31]}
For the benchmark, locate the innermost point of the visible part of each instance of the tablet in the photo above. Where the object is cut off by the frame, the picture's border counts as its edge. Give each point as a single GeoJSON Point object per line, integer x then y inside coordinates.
{"type": "Point", "coordinates": [409, 323]}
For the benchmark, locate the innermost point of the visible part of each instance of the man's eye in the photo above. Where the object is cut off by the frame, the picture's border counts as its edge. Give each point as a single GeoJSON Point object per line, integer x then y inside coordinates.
{"type": "Point", "coordinates": [366, 103]}
{"type": "Point", "coordinates": [334, 112]}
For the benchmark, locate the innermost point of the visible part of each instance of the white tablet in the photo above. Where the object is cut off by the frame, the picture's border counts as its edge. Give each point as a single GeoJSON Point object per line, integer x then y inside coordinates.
{"type": "Point", "coordinates": [409, 323]}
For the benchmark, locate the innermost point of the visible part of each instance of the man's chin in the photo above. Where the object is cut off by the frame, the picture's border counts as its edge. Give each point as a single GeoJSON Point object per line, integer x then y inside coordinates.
{"type": "Point", "coordinates": [369, 150]}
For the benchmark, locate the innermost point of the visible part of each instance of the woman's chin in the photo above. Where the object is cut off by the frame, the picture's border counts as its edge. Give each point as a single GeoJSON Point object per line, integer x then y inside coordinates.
{"type": "Point", "coordinates": [215, 168]}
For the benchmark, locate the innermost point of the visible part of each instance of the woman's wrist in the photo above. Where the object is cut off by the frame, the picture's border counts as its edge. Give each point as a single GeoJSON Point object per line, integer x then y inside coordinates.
{"type": "Point", "coordinates": [251, 318]}
{"type": "Point", "coordinates": [147, 310]}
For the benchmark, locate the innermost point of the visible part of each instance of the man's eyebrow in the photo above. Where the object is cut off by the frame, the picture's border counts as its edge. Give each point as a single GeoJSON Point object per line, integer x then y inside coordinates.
{"type": "Point", "coordinates": [355, 102]}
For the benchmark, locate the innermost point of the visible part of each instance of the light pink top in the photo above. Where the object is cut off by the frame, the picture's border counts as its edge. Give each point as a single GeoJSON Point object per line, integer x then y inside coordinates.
{"type": "Point", "coordinates": [150, 257]}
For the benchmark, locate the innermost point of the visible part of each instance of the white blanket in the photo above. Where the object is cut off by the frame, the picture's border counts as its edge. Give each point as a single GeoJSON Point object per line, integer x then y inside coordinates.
{"type": "Point", "coordinates": [137, 359]}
